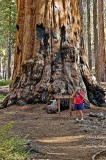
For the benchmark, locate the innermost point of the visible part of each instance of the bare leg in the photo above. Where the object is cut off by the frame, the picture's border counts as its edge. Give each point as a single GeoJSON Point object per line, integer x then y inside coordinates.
{"type": "Point", "coordinates": [77, 114]}
{"type": "Point", "coordinates": [81, 114]}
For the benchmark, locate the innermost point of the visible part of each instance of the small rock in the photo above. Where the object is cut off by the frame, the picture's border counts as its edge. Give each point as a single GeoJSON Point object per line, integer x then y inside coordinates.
{"type": "Point", "coordinates": [52, 108]}
{"type": "Point", "coordinates": [91, 119]}
{"type": "Point", "coordinates": [91, 114]}
{"type": "Point", "coordinates": [85, 130]}
{"type": "Point", "coordinates": [32, 156]}
{"type": "Point", "coordinates": [101, 118]}
{"type": "Point", "coordinates": [98, 115]}
{"type": "Point", "coordinates": [22, 103]}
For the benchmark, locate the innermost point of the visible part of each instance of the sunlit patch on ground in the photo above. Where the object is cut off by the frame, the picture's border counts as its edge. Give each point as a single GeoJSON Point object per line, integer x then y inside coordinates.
{"type": "Point", "coordinates": [65, 139]}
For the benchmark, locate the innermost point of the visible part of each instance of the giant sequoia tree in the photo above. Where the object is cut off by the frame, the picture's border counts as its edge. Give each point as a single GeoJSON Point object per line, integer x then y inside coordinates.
{"type": "Point", "coordinates": [50, 56]}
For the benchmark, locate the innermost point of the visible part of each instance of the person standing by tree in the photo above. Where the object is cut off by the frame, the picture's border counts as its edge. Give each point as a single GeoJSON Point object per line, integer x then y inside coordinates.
{"type": "Point", "coordinates": [78, 96]}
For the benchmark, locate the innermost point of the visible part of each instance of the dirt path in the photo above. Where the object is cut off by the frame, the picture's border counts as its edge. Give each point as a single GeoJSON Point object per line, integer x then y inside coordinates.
{"type": "Point", "coordinates": [60, 137]}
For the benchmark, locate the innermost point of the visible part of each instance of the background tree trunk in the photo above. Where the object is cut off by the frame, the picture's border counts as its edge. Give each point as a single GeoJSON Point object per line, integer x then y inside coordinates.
{"type": "Point", "coordinates": [9, 47]}
{"type": "Point", "coordinates": [102, 56]}
{"type": "Point", "coordinates": [0, 68]}
{"type": "Point", "coordinates": [89, 34]}
{"type": "Point", "coordinates": [95, 28]}
{"type": "Point", "coordinates": [50, 56]}
{"type": "Point", "coordinates": [9, 60]}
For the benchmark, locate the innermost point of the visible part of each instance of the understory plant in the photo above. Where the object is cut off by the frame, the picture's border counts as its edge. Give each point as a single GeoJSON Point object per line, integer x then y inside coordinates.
{"type": "Point", "coordinates": [11, 147]}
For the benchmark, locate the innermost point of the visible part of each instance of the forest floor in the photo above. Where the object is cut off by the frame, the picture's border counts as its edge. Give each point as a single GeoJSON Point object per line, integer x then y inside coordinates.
{"type": "Point", "coordinates": [60, 137]}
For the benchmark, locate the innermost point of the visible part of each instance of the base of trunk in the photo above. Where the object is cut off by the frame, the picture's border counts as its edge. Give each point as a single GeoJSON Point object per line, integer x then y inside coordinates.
{"type": "Point", "coordinates": [40, 82]}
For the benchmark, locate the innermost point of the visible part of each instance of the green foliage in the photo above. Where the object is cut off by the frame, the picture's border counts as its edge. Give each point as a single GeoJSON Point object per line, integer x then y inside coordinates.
{"type": "Point", "coordinates": [7, 21]}
{"type": "Point", "coordinates": [11, 146]}
{"type": "Point", "coordinates": [5, 83]}
{"type": "Point", "coordinates": [7, 31]}
{"type": "Point", "coordinates": [1, 97]}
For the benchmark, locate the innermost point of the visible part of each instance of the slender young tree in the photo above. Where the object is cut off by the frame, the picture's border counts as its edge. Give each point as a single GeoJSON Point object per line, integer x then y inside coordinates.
{"type": "Point", "coordinates": [50, 56]}
{"type": "Point", "coordinates": [101, 56]}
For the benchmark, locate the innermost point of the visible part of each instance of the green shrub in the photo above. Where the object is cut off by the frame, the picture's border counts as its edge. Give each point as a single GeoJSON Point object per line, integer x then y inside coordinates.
{"type": "Point", "coordinates": [1, 97]}
{"type": "Point", "coordinates": [11, 146]}
{"type": "Point", "coordinates": [5, 83]}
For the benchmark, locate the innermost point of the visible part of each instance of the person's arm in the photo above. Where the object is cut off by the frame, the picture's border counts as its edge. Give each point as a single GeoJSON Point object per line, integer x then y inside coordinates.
{"type": "Point", "coordinates": [82, 94]}
{"type": "Point", "coordinates": [74, 94]}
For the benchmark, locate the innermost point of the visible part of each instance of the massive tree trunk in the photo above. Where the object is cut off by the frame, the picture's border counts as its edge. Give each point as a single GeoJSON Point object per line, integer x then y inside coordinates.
{"type": "Point", "coordinates": [50, 57]}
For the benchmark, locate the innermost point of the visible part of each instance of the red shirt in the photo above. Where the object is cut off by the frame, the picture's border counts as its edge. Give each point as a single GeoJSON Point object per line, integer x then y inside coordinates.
{"type": "Point", "coordinates": [78, 99]}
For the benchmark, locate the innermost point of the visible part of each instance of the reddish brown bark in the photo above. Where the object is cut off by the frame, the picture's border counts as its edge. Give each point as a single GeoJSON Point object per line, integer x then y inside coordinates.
{"type": "Point", "coordinates": [89, 34]}
{"type": "Point", "coordinates": [95, 27]}
{"type": "Point", "coordinates": [101, 56]}
{"type": "Point", "coordinates": [51, 58]}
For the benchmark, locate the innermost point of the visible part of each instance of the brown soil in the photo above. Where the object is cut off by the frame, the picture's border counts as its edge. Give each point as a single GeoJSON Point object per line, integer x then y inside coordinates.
{"type": "Point", "coordinates": [59, 136]}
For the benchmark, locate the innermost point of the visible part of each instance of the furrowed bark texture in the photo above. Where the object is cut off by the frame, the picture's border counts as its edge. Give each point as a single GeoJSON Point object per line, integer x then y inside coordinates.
{"type": "Point", "coordinates": [101, 55]}
{"type": "Point", "coordinates": [96, 46]}
{"type": "Point", "coordinates": [50, 57]}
